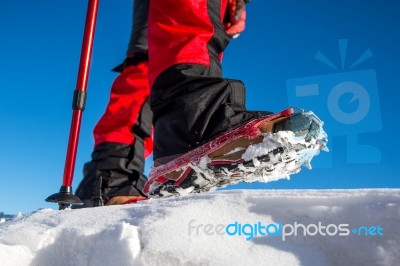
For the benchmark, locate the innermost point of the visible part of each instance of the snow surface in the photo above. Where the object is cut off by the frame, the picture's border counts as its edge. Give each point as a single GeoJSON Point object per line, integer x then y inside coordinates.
{"type": "Point", "coordinates": [190, 230]}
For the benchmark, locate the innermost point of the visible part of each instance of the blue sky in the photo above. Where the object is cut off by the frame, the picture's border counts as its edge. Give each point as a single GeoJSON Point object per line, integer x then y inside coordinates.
{"type": "Point", "coordinates": [39, 52]}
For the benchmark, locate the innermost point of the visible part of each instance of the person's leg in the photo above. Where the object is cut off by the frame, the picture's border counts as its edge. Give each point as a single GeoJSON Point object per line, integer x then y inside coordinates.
{"type": "Point", "coordinates": [123, 134]}
{"type": "Point", "coordinates": [202, 127]}
{"type": "Point", "coordinates": [190, 100]}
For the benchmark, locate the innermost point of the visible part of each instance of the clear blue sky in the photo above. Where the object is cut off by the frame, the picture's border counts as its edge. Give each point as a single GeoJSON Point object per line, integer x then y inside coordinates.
{"type": "Point", "coordinates": [39, 53]}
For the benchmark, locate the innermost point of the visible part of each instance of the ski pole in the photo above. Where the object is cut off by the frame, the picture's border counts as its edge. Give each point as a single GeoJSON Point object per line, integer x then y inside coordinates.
{"type": "Point", "coordinates": [65, 196]}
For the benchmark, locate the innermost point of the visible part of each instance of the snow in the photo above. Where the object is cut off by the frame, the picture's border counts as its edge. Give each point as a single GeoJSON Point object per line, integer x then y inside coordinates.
{"type": "Point", "coordinates": [4, 217]}
{"type": "Point", "coordinates": [190, 230]}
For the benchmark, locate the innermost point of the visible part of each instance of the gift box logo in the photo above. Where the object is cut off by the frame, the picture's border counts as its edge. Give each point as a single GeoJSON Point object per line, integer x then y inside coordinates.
{"type": "Point", "coordinates": [347, 101]}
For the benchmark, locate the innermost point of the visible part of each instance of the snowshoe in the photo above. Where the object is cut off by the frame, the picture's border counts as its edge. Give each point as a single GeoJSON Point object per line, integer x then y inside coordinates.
{"type": "Point", "coordinates": [265, 149]}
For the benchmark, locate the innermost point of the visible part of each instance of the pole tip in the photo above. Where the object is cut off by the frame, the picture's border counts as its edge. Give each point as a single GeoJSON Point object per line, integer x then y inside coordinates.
{"type": "Point", "coordinates": [64, 198]}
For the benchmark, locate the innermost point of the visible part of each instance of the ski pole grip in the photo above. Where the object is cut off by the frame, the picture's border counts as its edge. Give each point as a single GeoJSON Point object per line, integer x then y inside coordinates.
{"type": "Point", "coordinates": [79, 101]}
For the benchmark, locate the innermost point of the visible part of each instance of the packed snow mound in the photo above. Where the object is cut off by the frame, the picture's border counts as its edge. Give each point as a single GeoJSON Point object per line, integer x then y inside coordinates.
{"type": "Point", "coordinates": [253, 227]}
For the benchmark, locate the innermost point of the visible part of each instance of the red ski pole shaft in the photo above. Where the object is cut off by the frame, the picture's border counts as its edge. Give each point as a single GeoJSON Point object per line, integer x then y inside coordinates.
{"type": "Point", "coordinates": [80, 92]}
{"type": "Point", "coordinates": [64, 197]}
